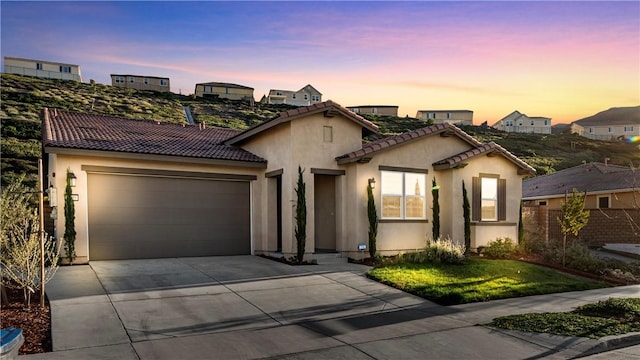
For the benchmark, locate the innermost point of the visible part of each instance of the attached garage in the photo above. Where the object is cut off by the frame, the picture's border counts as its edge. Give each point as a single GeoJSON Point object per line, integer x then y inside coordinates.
{"type": "Point", "coordinates": [154, 214]}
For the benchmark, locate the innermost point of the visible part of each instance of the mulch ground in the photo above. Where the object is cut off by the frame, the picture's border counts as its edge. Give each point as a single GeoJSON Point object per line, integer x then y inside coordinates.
{"type": "Point", "coordinates": [34, 322]}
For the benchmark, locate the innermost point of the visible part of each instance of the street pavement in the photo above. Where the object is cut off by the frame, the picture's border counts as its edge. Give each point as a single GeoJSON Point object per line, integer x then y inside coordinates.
{"type": "Point", "coordinates": [249, 307]}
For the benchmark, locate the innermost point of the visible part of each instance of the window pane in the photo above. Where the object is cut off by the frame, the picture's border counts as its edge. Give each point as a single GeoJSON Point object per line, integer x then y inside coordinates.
{"type": "Point", "coordinates": [489, 188]}
{"type": "Point", "coordinates": [391, 182]}
{"type": "Point", "coordinates": [489, 210]}
{"type": "Point", "coordinates": [414, 187]}
{"type": "Point", "coordinates": [391, 206]}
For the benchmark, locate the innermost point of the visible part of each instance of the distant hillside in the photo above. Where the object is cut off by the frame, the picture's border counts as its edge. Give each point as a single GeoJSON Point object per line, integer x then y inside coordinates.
{"type": "Point", "coordinates": [613, 116]}
{"type": "Point", "coordinates": [22, 99]}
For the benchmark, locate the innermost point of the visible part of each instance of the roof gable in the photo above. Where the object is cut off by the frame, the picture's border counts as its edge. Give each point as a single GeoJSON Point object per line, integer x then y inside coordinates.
{"type": "Point", "coordinates": [72, 130]}
{"type": "Point", "coordinates": [489, 149]}
{"type": "Point", "coordinates": [368, 150]}
{"type": "Point", "coordinates": [588, 177]}
{"type": "Point", "coordinates": [329, 108]}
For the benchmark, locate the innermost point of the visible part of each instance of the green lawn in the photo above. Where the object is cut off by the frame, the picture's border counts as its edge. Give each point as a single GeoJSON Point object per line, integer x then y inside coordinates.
{"type": "Point", "coordinates": [613, 316]}
{"type": "Point", "coordinates": [478, 280]}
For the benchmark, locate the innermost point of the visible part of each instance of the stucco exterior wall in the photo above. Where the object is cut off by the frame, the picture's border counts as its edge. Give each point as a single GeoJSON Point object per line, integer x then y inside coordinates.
{"type": "Point", "coordinates": [224, 92]}
{"type": "Point", "coordinates": [482, 232]}
{"type": "Point", "coordinates": [59, 163]}
{"type": "Point", "coordinates": [153, 83]}
{"type": "Point", "coordinates": [375, 110]}
{"type": "Point", "coordinates": [50, 70]}
{"type": "Point", "coordinates": [606, 132]}
{"type": "Point", "coordinates": [450, 116]}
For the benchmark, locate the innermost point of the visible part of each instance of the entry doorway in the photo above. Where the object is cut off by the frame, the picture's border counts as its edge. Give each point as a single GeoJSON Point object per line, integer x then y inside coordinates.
{"type": "Point", "coordinates": [325, 212]}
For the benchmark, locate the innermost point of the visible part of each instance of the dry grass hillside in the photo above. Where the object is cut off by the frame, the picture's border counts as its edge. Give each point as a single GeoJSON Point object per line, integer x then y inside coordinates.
{"type": "Point", "coordinates": [22, 99]}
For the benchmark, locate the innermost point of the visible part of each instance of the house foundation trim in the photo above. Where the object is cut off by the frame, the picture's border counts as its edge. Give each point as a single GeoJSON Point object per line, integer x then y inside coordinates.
{"type": "Point", "coordinates": [166, 173]}
{"type": "Point", "coordinates": [493, 223]}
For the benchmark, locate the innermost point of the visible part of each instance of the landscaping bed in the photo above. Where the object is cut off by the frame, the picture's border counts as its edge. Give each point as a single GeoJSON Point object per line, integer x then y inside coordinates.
{"type": "Point", "coordinates": [35, 322]}
{"type": "Point", "coordinates": [614, 316]}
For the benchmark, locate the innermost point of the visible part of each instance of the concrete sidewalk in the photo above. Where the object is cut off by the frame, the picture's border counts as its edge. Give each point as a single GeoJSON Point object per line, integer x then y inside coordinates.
{"type": "Point", "coordinates": [250, 308]}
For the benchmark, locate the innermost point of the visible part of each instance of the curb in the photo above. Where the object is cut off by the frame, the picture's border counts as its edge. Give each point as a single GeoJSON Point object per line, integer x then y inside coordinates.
{"type": "Point", "coordinates": [618, 342]}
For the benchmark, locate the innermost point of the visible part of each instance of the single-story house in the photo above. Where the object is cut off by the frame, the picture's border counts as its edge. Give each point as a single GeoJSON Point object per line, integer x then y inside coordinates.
{"type": "Point", "coordinates": [455, 117]}
{"type": "Point", "coordinates": [42, 68]}
{"type": "Point", "coordinates": [612, 124]}
{"type": "Point", "coordinates": [606, 186]}
{"type": "Point", "coordinates": [140, 82]}
{"type": "Point", "coordinates": [146, 189]}
{"type": "Point", "coordinates": [220, 90]}
{"type": "Point", "coordinates": [382, 110]}
{"type": "Point", "coordinates": [612, 198]}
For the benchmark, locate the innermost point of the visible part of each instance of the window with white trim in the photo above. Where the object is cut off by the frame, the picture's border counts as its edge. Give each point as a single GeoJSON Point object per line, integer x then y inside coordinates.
{"type": "Point", "coordinates": [604, 202]}
{"type": "Point", "coordinates": [132, 79]}
{"type": "Point", "coordinates": [119, 79]}
{"type": "Point", "coordinates": [146, 81]}
{"type": "Point", "coordinates": [163, 82]}
{"type": "Point", "coordinates": [65, 69]}
{"type": "Point", "coordinates": [488, 198]}
{"type": "Point", "coordinates": [628, 128]}
{"type": "Point", "coordinates": [38, 66]}
{"type": "Point", "coordinates": [315, 98]}
{"type": "Point", "coordinates": [403, 195]}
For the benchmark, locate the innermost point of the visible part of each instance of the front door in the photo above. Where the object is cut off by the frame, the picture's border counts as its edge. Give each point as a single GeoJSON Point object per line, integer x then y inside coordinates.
{"type": "Point", "coordinates": [325, 213]}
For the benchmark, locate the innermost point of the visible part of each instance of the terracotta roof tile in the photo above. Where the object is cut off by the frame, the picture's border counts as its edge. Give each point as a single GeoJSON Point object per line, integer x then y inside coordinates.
{"type": "Point", "coordinates": [64, 129]}
{"type": "Point", "coordinates": [292, 114]}
{"type": "Point", "coordinates": [481, 149]}
{"type": "Point", "coordinates": [396, 140]}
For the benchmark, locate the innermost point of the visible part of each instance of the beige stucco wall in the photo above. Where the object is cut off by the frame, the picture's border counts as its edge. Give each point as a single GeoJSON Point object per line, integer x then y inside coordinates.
{"type": "Point", "coordinates": [233, 93]}
{"type": "Point", "coordinates": [376, 110]}
{"type": "Point", "coordinates": [450, 117]}
{"type": "Point", "coordinates": [153, 84]}
{"type": "Point", "coordinates": [301, 142]}
{"type": "Point", "coordinates": [59, 163]}
{"type": "Point", "coordinates": [606, 132]}
{"type": "Point", "coordinates": [50, 70]}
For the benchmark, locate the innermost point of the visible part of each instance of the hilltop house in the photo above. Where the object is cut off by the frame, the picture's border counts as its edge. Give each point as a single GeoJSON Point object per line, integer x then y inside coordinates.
{"type": "Point", "coordinates": [612, 124]}
{"type": "Point", "coordinates": [148, 189]}
{"type": "Point", "coordinates": [521, 123]}
{"type": "Point", "coordinates": [455, 117]}
{"type": "Point", "coordinates": [42, 69]}
{"type": "Point", "coordinates": [612, 195]}
{"type": "Point", "coordinates": [383, 110]}
{"type": "Point", "coordinates": [306, 96]}
{"type": "Point", "coordinates": [224, 91]}
{"type": "Point", "coordinates": [139, 82]}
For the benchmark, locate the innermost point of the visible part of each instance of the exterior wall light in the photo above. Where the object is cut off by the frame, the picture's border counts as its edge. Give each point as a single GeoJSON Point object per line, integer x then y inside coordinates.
{"type": "Point", "coordinates": [72, 179]}
{"type": "Point", "coordinates": [372, 183]}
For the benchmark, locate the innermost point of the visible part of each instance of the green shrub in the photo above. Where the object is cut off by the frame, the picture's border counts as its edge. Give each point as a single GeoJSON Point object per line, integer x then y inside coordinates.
{"type": "Point", "coordinates": [501, 248]}
{"type": "Point", "coordinates": [443, 251]}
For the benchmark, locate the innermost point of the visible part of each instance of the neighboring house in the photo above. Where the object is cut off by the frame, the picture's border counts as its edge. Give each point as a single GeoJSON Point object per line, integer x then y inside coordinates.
{"type": "Point", "coordinates": [612, 124]}
{"type": "Point", "coordinates": [139, 82]}
{"type": "Point", "coordinates": [612, 195]}
{"type": "Point", "coordinates": [224, 91]}
{"type": "Point", "coordinates": [306, 96]}
{"type": "Point", "coordinates": [521, 123]}
{"type": "Point", "coordinates": [455, 117]}
{"type": "Point", "coordinates": [383, 110]}
{"type": "Point", "coordinates": [148, 189]}
{"type": "Point", "coordinates": [42, 69]}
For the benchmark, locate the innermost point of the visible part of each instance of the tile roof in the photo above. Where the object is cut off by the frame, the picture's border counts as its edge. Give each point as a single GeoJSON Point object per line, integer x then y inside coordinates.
{"type": "Point", "coordinates": [371, 148]}
{"type": "Point", "coordinates": [613, 116]}
{"type": "Point", "coordinates": [590, 177]}
{"type": "Point", "coordinates": [72, 130]}
{"type": "Point", "coordinates": [328, 107]}
{"type": "Point", "coordinates": [488, 148]}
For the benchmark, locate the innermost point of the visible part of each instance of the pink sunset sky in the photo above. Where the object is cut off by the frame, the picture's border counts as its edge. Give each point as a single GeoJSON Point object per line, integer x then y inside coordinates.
{"type": "Point", "coordinates": [564, 60]}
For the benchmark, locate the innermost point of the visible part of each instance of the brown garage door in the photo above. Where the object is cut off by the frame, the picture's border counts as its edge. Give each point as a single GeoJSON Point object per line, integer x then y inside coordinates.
{"type": "Point", "coordinates": [137, 217]}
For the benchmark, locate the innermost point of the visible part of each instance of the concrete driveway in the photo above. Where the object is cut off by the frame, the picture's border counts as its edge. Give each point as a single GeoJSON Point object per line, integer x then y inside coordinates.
{"type": "Point", "coordinates": [250, 307]}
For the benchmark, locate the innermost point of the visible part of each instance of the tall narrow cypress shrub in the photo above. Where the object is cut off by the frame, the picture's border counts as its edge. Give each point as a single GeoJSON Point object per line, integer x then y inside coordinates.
{"type": "Point", "coordinates": [435, 193]}
{"type": "Point", "coordinates": [466, 208]}
{"type": "Point", "coordinates": [373, 221]}
{"type": "Point", "coordinates": [69, 221]}
{"type": "Point", "coordinates": [301, 216]}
